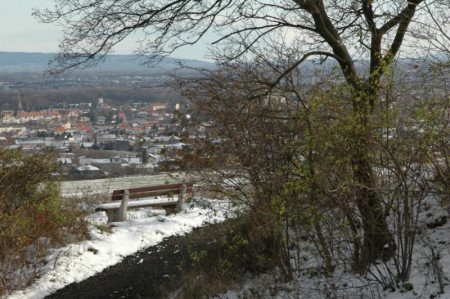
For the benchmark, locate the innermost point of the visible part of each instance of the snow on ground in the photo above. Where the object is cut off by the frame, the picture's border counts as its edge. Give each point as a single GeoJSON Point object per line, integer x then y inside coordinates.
{"type": "Point", "coordinates": [147, 227]}
{"type": "Point", "coordinates": [77, 262]}
{"type": "Point", "coordinates": [428, 274]}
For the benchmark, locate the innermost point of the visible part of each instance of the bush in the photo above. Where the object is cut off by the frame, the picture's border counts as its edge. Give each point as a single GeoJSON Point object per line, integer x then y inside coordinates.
{"type": "Point", "coordinates": [32, 216]}
{"type": "Point", "coordinates": [222, 256]}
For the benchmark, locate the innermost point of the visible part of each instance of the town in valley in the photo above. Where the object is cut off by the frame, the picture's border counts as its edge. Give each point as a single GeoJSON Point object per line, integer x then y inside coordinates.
{"type": "Point", "coordinates": [96, 125]}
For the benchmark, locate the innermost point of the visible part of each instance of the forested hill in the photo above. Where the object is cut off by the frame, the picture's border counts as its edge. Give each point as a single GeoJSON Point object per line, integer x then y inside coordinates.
{"type": "Point", "coordinates": [21, 61]}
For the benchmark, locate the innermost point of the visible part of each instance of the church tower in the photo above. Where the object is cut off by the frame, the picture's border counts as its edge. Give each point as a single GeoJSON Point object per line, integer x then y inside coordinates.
{"type": "Point", "coordinates": [19, 105]}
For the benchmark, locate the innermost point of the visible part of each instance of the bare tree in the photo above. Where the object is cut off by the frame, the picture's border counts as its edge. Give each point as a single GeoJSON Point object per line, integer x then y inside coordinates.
{"type": "Point", "coordinates": [346, 31]}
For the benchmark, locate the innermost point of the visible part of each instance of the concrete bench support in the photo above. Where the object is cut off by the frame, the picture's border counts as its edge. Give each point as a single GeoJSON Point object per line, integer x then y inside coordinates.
{"type": "Point", "coordinates": [123, 210]}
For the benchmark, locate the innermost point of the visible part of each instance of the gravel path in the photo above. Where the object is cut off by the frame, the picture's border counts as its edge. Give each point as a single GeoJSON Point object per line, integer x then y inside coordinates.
{"type": "Point", "coordinates": [150, 273]}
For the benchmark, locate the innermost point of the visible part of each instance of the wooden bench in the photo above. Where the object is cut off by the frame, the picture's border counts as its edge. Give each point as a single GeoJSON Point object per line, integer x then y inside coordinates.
{"type": "Point", "coordinates": [117, 212]}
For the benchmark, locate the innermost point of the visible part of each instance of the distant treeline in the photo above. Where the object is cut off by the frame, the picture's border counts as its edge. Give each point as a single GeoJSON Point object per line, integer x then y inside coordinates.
{"type": "Point", "coordinates": [42, 99]}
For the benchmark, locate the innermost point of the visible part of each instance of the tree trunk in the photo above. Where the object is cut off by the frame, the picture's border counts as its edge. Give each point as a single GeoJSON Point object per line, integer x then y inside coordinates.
{"type": "Point", "coordinates": [378, 241]}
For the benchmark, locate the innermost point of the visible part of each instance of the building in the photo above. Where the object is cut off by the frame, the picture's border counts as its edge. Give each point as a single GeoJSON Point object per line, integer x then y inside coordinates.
{"type": "Point", "coordinates": [159, 106]}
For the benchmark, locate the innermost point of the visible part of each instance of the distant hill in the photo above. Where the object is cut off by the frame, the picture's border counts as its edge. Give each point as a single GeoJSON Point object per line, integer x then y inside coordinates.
{"type": "Point", "coordinates": [22, 62]}
{"type": "Point", "coordinates": [38, 62]}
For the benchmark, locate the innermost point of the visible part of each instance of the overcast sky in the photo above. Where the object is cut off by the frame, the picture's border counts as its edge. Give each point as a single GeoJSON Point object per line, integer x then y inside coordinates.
{"type": "Point", "coordinates": [20, 32]}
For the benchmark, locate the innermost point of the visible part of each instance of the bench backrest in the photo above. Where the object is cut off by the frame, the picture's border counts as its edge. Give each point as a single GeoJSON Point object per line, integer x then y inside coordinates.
{"type": "Point", "coordinates": [168, 189]}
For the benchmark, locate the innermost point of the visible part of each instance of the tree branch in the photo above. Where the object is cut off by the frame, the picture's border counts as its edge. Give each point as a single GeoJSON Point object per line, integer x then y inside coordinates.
{"type": "Point", "coordinates": [325, 28]}
{"type": "Point", "coordinates": [406, 17]}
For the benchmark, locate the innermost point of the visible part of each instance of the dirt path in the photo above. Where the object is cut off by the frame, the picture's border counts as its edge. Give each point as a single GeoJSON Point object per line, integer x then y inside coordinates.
{"type": "Point", "coordinates": [150, 273]}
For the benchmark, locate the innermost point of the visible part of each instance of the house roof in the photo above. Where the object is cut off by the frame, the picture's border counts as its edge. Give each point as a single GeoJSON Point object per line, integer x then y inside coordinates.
{"type": "Point", "coordinates": [59, 130]}
{"type": "Point", "coordinates": [124, 126]}
{"type": "Point", "coordinates": [84, 128]}
{"type": "Point", "coordinates": [88, 168]}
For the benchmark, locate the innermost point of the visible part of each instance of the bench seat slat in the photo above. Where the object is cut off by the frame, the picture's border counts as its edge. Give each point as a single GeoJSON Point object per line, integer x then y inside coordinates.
{"type": "Point", "coordinates": [137, 204]}
{"type": "Point", "coordinates": [150, 191]}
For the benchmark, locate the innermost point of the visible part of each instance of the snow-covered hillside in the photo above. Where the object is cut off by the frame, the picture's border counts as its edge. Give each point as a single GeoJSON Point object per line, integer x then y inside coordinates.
{"type": "Point", "coordinates": [145, 228]}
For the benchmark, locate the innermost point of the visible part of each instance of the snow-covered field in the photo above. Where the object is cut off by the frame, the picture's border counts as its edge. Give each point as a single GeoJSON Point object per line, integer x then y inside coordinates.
{"type": "Point", "coordinates": [145, 228]}
{"type": "Point", "coordinates": [106, 186]}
